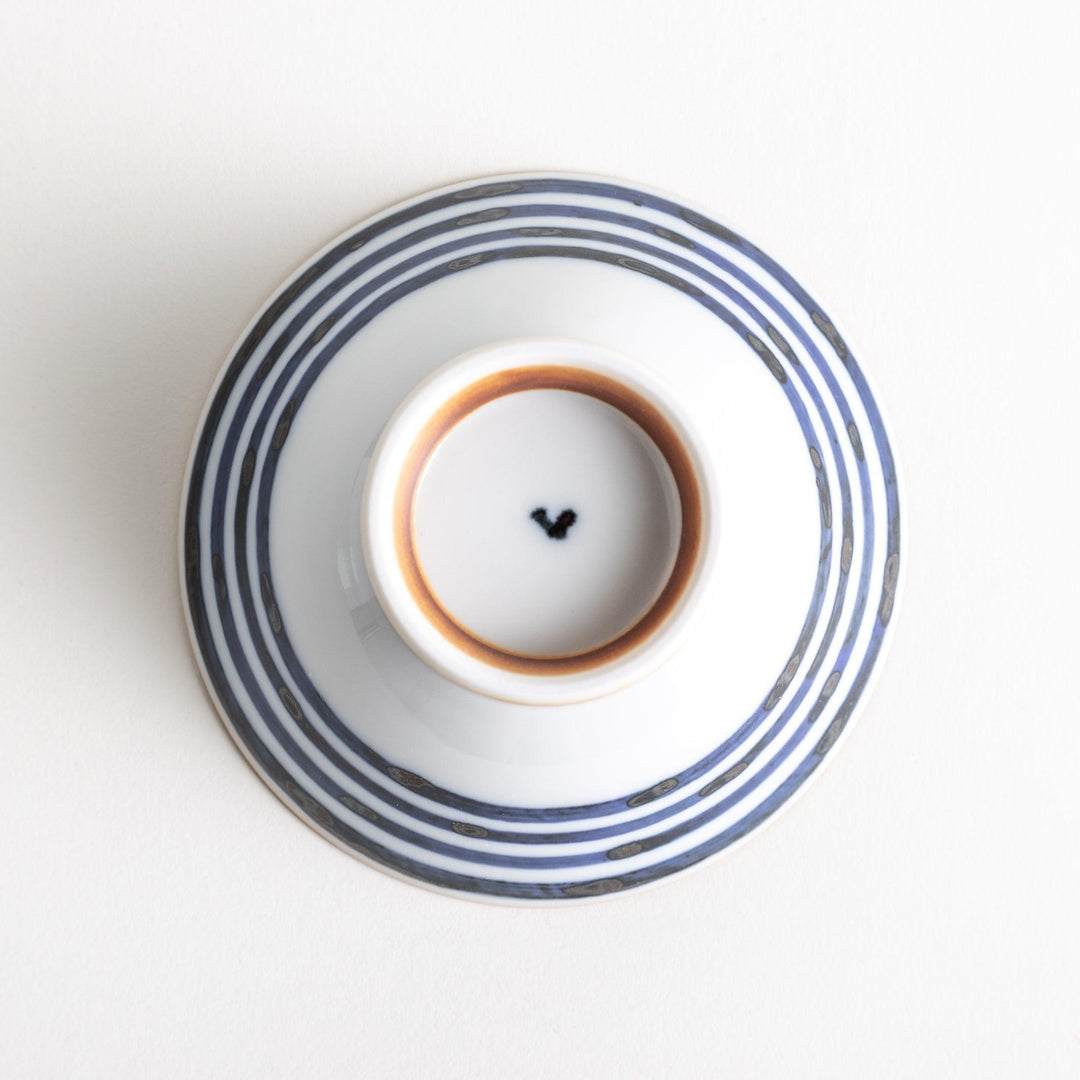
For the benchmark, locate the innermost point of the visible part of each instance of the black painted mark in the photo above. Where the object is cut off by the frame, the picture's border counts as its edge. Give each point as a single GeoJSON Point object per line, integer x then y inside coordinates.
{"type": "Point", "coordinates": [322, 330]}
{"type": "Point", "coordinates": [468, 260]}
{"type": "Point", "coordinates": [486, 191]}
{"type": "Point", "coordinates": [218, 569]}
{"type": "Point", "coordinates": [826, 504]}
{"type": "Point", "coordinates": [833, 731]}
{"type": "Point", "coordinates": [639, 266]}
{"type": "Point", "coordinates": [648, 843]}
{"type": "Point", "coordinates": [830, 332]}
{"type": "Point", "coordinates": [291, 703]}
{"type": "Point", "coordinates": [281, 432]}
{"type": "Point", "coordinates": [357, 807]}
{"type": "Point", "coordinates": [643, 797]}
{"type": "Point", "coordinates": [310, 807]}
{"type": "Point", "coordinates": [856, 441]}
{"type": "Point", "coordinates": [273, 355]}
{"type": "Point", "coordinates": [888, 591]}
{"type": "Point", "coordinates": [847, 549]}
{"type": "Point", "coordinates": [724, 778]}
{"type": "Point", "coordinates": [191, 545]}
{"type": "Point", "coordinates": [406, 778]}
{"type": "Point", "coordinates": [674, 237]}
{"type": "Point", "coordinates": [464, 828]}
{"type": "Point", "coordinates": [830, 685]}
{"type": "Point", "coordinates": [272, 612]}
{"type": "Point", "coordinates": [771, 362]}
{"type": "Point", "coordinates": [556, 529]}
{"type": "Point", "coordinates": [479, 218]}
{"type": "Point", "coordinates": [781, 685]}
{"type": "Point", "coordinates": [593, 888]}
{"type": "Point", "coordinates": [781, 343]}
{"type": "Point", "coordinates": [712, 228]}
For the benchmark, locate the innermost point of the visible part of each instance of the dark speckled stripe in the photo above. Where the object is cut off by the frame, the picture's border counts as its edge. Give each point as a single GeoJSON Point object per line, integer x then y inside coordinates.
{"type": "Point", "coordinates": [387, 794]}
{"type": "Point", "coordinates": [773, 347]}
{"type": "Point", "coordinates": [296, 670]}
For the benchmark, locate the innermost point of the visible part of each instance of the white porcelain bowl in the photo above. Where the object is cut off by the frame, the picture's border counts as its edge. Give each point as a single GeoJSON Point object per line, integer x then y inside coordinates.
{"type": "Point", "coordinates": [371, 707]}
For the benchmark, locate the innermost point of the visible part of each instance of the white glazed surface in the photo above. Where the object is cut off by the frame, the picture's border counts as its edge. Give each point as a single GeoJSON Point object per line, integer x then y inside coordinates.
{"type": "Point", "coordinates": [521, 803]}
{"type": "Point", "coordinates": [595, 750]}
{"type": "Point", "coordinates": [501, 573]}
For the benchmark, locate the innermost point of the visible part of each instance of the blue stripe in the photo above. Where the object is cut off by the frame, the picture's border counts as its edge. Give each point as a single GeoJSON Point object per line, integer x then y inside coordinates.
{"type": "Point", "coordinates": [194, 585]}
{"type": "Point", "coordinates": [444, 251]}
{"type": "Point", "coordinates": [261, 532]}
{"type": "Point", "coordinates": [249, 609]}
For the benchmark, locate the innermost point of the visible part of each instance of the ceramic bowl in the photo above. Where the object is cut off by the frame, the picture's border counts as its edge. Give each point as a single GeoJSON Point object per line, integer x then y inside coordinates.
{"type": "Point", "coordinates": [540, 538]}
{"type": "Point", "coordinates": [491, 588]}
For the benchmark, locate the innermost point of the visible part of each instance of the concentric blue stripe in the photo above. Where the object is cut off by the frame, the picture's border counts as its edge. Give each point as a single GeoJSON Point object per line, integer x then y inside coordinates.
{"type": "Point", "coordinates": [297, 396]}
{"type": "Point", "coordinates": [690, 775]}
{"type": "Point", "coordinates": [335, 333]}
{"type": "Point", "coordinates": [351, 328]}
{"type": "Point", "coordinates": [325, 356]}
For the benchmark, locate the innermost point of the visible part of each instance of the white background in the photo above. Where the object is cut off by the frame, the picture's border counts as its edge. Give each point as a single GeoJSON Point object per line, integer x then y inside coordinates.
{"type": "Point", "coordinates": [164, 166]}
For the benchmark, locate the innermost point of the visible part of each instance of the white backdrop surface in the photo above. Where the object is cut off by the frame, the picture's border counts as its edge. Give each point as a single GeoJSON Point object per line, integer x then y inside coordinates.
{"type": "Point", "coordinates": [164, 167]}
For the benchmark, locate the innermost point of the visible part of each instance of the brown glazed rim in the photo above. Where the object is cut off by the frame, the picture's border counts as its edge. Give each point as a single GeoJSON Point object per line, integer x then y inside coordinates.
{"type": "Point", "coordinates": [547, 377]}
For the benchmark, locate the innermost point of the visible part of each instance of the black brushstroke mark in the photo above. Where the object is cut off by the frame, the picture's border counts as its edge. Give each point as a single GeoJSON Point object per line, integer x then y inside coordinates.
{"type": "Point", "coordinates": [556, 529]}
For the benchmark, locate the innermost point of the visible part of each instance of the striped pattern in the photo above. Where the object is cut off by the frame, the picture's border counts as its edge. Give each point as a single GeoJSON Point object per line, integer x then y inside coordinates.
{"type": "Point", "coordinates": [378, 808]}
